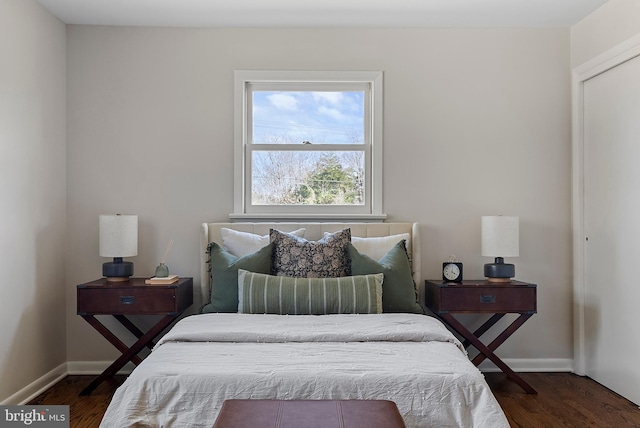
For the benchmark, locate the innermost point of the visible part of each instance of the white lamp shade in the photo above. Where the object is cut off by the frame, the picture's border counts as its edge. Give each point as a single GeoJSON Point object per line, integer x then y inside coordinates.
{"type": "Point", "coordinates": [500, 236]}
{"type": "Point", "coordinates": [118, 235]}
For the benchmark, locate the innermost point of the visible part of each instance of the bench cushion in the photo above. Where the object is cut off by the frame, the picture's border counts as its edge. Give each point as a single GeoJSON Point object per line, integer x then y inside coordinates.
{"type": "Point", "coordinates": [309, 414]}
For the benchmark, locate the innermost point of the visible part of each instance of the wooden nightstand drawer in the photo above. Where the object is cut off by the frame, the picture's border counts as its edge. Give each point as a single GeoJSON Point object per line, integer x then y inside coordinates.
{"type": "Point", "coordinates": [134, 298]}
{"type": "Point", "coordinates": [119, 301]}
{"type": "Point", "coordinates": [480, 296]}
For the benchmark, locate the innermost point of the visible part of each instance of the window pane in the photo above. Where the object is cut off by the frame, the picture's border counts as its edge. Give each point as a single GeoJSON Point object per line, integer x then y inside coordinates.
{"type": "Point", "coordinates": [316, 117]}
{"type": "Point", "coordinates": [307, 178]}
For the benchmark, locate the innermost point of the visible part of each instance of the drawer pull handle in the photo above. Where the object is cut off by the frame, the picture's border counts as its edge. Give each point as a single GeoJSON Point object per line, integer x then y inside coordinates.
{"type": "Point", "coordinates": [127, 300]}
{"type": "Point", "coordinates": [487, 298]}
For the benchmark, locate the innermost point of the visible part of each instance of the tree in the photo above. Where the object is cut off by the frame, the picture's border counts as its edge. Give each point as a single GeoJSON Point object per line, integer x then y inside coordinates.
{"type": "Point", "coordinates": [329, 182]}
{"type": "Point", "coordinates": [276, 175]}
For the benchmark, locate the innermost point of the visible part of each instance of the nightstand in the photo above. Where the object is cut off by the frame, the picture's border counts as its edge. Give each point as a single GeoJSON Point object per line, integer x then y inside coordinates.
{"type": "Point", "coordinates": [133, 297]}
{"type": "Point", "coordinates": [480, 297]}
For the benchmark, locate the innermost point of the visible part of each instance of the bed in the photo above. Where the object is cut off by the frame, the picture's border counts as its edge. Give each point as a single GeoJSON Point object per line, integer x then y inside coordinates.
{"type": "Point", "coordinates": [373, 349]}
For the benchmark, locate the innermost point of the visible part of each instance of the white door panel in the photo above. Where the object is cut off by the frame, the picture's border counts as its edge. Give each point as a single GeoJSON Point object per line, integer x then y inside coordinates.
{"type": "Point", "coordinates": [612, 225]}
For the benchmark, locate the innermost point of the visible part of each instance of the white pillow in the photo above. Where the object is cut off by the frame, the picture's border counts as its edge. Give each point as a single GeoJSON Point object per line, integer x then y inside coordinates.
{"type": "Point", "coordinates": [242, 243]}
{"type": "Point", "coordinates": [377, 247]}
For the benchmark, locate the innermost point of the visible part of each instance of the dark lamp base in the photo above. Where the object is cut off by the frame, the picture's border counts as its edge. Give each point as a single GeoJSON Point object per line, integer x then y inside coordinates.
{"type": "Point", "coordinates": [499, 271]}
{"type": "Point", "coordinates": [117, 270]}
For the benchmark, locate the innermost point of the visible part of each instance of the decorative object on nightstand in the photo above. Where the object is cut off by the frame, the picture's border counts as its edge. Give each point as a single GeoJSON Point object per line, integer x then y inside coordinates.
{"type": "Point", "coordinates": [483, 297]}
{"type": "Point", "coordinates": [160, 280]}
{"type": "Point", "coordinates": [132, 297]}
{"type": "Point", "coordinates": [118, 239]}
{"type": "Point", "coordinates": [162, 270]}
{"type": "Point", "coordinates": [500, 238]}
{"type": "Point", "coordinates": [452, 270]}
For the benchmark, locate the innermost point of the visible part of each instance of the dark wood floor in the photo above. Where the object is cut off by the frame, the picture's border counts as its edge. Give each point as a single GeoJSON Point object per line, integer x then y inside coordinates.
{"type": "Point", "coordinates": [563, 400]}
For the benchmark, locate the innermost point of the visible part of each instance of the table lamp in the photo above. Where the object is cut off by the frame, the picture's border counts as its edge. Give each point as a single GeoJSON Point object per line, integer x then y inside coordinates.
{"type": "Point", "coordinates": [500, 238]}
{"type": "Point", "coordinates": [118, 239]}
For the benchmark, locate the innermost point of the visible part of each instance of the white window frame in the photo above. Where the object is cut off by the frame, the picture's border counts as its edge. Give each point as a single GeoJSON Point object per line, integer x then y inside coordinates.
{"type": "Point", "coordinates": [371, 81]}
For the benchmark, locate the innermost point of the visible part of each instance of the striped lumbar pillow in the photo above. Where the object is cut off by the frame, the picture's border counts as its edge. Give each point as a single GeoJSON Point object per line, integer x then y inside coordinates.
{"type": "Point", "coordinates": [266, 294]}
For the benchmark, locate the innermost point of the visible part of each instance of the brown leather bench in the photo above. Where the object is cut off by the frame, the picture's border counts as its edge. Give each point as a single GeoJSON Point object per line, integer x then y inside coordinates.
{"type": "Point", "coordinates": [309, 414]}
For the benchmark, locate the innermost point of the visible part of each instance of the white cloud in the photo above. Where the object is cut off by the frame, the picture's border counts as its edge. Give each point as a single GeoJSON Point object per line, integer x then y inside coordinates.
{"type": "Point", "coordinates": [331, 112]}
{"type": "Point", "coordinates": [283, 101]}
{"type": "Point", "coordinates": [329, 97]}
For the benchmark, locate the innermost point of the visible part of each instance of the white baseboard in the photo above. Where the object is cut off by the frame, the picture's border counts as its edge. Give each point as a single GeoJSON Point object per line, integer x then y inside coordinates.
{"type": "Point", "coordinates": [37, 387]}
{"type": "Point", "coordinates": [40, 385]}
{"type": "Point", "coordinates": [531, 365]}
{"type": "Point", "coordinates": [49, 379]}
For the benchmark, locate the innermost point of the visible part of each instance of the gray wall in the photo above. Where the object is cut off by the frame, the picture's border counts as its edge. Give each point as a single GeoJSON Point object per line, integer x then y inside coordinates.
{"type": "Point", "coordinates": [476, 122]}
{"type": "Point", "coordinates": [33, 195]}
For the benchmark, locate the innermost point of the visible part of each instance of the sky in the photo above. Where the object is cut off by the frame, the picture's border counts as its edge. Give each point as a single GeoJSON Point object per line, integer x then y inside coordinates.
{"type": "Point", "coordinates": [317, 117]}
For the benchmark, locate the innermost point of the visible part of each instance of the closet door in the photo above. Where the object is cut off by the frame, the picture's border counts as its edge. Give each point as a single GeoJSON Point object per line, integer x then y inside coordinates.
{"type": "Point", "coordinates": [612, 225]}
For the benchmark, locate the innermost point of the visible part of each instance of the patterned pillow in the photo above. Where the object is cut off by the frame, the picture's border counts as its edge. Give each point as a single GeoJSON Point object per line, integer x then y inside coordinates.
{"type": "Point", "coordinates": [267, 294]}
{"type": "Point", "coordinates": [296, 257]}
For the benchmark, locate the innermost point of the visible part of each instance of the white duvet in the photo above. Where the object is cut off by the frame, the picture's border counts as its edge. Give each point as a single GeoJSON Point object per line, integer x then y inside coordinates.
{"type": "Point", "coordinates": [410, 359]}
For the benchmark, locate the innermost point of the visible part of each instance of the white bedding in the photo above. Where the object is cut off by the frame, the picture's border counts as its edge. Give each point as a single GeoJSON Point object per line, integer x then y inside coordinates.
{"type": "Point", "coordinates": [410, 359]}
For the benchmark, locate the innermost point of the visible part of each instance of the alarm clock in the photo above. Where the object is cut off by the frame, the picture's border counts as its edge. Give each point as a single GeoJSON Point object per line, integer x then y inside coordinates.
{"type": "Point", "coordinates": [452, 271]}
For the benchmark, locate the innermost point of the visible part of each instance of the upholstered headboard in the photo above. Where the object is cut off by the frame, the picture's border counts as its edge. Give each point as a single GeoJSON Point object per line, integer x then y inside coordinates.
{"type": "Point", "coordinates": [211, 233]}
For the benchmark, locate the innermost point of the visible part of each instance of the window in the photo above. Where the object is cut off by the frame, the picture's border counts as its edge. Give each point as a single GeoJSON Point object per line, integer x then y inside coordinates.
{"type": "Point", "coordinates": [308, 144]}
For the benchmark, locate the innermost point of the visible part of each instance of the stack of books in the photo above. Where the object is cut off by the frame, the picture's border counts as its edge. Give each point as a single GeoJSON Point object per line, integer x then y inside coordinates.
{"type": "Point", "coordinates": [162, 280]}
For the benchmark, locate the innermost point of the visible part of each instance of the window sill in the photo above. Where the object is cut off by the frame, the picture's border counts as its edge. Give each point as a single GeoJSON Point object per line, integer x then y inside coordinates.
{"type": "Point", "coordinates": [366, 218]}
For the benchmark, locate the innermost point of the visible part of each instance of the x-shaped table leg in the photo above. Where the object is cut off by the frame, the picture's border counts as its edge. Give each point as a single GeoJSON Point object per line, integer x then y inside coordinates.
{"type": "Point", "coordinates": [133, 329]}
{"type": "Point", "coordinates": [487, 351]}
{"type": "Point", "coordinates": [128, 353]}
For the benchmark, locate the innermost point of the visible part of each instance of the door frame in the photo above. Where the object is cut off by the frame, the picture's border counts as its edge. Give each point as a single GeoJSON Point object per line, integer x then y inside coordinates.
{"type": "Point", "coordinates": [609, 59]}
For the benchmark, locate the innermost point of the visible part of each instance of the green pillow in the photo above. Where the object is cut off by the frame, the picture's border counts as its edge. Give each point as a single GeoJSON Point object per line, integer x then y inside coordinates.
{"type": "Point", "coordinates": [223, 268]}
{"type": "Point", "coordinates": [399, 292]}
{"type": "Point", "coordinates": [268, 294]}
